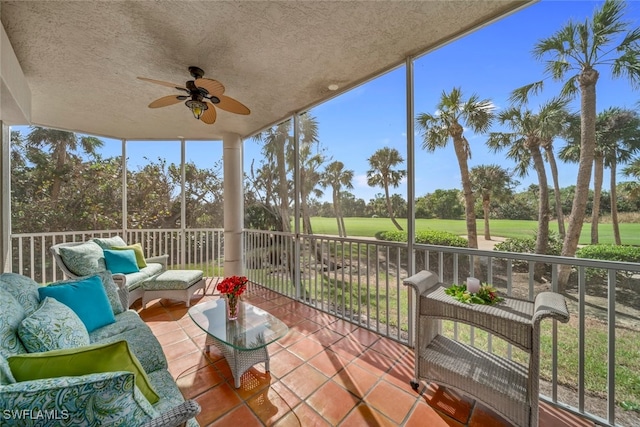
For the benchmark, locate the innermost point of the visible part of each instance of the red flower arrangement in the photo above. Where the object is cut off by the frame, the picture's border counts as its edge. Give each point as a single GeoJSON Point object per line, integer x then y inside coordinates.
{"type": "Point", "coordinates": [232, 287]}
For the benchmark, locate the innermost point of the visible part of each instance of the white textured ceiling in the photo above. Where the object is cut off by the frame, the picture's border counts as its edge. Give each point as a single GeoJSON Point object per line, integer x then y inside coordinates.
{"type": "Point", "coordinates": [81, 58]}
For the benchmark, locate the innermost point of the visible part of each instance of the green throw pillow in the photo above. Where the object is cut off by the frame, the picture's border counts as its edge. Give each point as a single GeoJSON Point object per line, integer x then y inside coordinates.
{"type": "Point", "coordinates": [137, 249]}
{"type": "Point", "coordinates": [86, 360]}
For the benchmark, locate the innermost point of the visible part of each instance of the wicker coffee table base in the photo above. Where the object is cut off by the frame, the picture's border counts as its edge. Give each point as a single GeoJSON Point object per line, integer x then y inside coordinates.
{"type": "Point", "coordinates": [239, 360]}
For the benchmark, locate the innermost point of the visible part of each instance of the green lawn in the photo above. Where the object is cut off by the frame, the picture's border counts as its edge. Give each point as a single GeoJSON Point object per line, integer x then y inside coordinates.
{"type": "Point", "coordinates": [368, 227]}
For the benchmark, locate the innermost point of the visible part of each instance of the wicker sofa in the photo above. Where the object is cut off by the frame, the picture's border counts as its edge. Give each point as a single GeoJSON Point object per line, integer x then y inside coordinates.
{"type": "Point", "coordinates": [102, 397]}
{"type": "Point", "coordinates": [91, 261]}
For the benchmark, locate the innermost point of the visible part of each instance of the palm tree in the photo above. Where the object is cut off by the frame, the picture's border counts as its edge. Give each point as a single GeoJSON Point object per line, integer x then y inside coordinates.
{"type": "Point", "coordinates": [492, 182]}
{"type": "Point", "coordinates": [524, 146]}
{"type": "Point", "coordinates": [382, 174]}
{"type": "Point", "coordinates": [557, 127]}
{"type": "Point", "coordinates": [61, 143]}
{"type": "Point", "coordinates": [447, 123]}
{"type": "Point", "coordinates": [632, 170]}
{"type": "Point", "coordinates": [310, 177]}
{"type": "Point", "coordinates": [573, 55]}
{"type": "Point", "coordinates": [276, 142]}
{"type": "Point", "coordinates": [617, 138]}
{"type": "Point", "coordinates": [337, 177]}
{"type": "Point", "coordinates": [622, 142]}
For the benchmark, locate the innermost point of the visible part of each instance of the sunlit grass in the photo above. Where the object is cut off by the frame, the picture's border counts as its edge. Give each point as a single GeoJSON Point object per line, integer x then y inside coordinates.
{"type": "Point", "coordinates": [368, 227]}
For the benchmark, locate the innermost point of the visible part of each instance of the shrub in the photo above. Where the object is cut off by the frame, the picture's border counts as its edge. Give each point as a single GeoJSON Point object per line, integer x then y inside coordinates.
{"type": "Point", "coordinates": [609, 253]}
{"type": "Point", "coordinates": [527, 245]}
{"type": "Point", "coordinates": [427, 237]}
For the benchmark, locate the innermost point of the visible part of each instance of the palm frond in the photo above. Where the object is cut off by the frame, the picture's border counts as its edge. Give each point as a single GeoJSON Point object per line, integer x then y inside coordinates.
{"type": "Point", "coordinates": [631, 40]}
{"type": "Point", "coordinates": [521, 94]}
{"type": "Point", "coordinates": [558, 68]}
{"type": "Point", "coordinates": [628, 64]}
{"type": "Point", "coordinates": [570, 88]}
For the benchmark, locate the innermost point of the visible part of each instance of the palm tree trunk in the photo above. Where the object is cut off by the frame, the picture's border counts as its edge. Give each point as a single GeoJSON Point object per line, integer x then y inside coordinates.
{"type": "Point", "coordinates": [556, 191]}
{"type": "Point", "coordinates": [336, 212]}
{"type": "Point", "coordinates": [598, 172]}
{"type": "Point", "coordinates": [587, 79]}
{"type": "Point", "coordinates": [389, 208]}
{"type": "Point", "coordinates": [283, 190]}
{"type": "Point", "coordinates": [614, 203]}
{"type": "Point", "coordinates": [60, 154]}
{"type": "Point", "coordinates": [486, 202]}
{"type": "Point", "coordinates": [542, 238]}
{"type": "Point", "coordinates": [460, 145]}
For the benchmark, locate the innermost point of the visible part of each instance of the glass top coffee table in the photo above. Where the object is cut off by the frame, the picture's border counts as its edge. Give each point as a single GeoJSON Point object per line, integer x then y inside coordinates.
{"type": "Point", "coordinates": [243, 341]}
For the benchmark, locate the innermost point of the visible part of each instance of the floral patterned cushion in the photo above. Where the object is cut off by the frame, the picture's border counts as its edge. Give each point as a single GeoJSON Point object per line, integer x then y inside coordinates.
{"type": "Point", "coordinates": [11, 314]}
{"type": "Point", "coordinates": [110, 288]}
{"type": "Point", "coordinates": [6, 377]}
{"type": "Point", "coordinates": [109, 398]}
{"type": "Point", "coordinates": [53, 326]}
{"type": "Point", "coordinates": [23, 288]}
{"type": "Point", "coordinates": [83, 260]}
{"type": "Point", "coordinates": [108, 242]}
{"type": "Point", "coordinates": [143, 344]}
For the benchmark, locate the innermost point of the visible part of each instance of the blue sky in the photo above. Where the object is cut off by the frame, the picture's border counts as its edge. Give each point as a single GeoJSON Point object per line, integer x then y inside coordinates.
{"type": "Point", "coordinates": [490, 62]}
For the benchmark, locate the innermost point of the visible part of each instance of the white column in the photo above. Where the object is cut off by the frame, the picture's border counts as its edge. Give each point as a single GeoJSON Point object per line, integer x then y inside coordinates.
{"type": "Point", "coordinates": [5, 202]}
{"type": "Point", "coordinates": [233, 205]}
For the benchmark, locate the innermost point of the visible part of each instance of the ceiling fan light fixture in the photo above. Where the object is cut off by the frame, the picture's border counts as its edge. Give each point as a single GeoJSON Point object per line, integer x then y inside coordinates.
{"type": "Point", "coordinates": [196, 107]}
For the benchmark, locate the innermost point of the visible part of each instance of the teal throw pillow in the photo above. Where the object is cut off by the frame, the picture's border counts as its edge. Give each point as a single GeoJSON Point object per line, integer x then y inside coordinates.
{"type": "Point", "coordinates": [109, 286]}
{"type": "Point", "coordinates": [87, 298]}
{"type": "Point", "coordinates": [52, 326]}
{"type": "Point", "coordinates": [121, 261]}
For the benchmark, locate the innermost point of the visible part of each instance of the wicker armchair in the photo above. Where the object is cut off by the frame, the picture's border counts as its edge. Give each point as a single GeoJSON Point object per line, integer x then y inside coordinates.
{"type": "Point", "coordinates": [510, 388]}
{"type": "Point", "coordinates": [177, 416]}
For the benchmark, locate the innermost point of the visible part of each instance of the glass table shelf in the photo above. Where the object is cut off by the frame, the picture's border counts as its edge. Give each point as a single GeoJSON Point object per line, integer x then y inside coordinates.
{"type": "Point", "coordinates": [243, 341]}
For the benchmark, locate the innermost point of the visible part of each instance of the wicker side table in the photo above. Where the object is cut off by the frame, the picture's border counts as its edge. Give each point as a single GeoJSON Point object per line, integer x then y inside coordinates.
{"type": "Point", "coordinates": [510, 388]}
{"type": "Point", "coordinates": [243, 342]}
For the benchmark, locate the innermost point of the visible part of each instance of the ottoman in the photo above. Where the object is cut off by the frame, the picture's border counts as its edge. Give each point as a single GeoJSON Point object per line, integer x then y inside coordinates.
{"type": "Point", "coordinates": [173, 284]}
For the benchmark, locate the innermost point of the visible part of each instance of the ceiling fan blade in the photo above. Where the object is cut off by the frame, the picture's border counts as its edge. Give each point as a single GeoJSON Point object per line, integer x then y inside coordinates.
{"type": "Point", "coordinates": [232, 106]}
{"type": "Point", "coordinates": [209, 115]}
{"type": "Point", "coordinates": [214, 87]}
{"type": "Point", "coordinates": [165, 100]}
{"type": "Point", "coordinates": [160, 82]}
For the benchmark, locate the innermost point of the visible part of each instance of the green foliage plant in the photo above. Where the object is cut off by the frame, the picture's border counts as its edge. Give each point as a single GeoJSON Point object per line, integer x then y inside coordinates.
{"type": "Point", "coordinates": [427, 237]}
{"type": "Point", "coordinates": [607, 252]}
{"type": "Point", "coordinates": [487, 295]}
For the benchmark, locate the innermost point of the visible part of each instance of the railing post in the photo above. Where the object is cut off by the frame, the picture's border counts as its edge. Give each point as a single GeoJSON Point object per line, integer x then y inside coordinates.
{"type": "Point", "coordinates": [5, 205]}
{"type": "Point", "coordinates": [296, 203]}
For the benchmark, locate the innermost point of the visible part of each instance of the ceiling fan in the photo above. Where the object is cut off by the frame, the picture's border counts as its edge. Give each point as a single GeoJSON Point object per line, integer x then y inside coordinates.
{"type": "Point", "coordinates": [202, 95]}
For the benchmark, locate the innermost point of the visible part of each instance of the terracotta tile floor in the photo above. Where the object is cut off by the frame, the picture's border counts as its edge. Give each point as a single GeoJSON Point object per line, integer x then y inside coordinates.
{"type": "Point", "coordinates": [325, 372]}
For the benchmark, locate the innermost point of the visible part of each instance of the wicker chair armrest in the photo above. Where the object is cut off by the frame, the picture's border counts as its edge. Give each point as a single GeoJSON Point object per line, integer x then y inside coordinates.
{"type": "Point", "coordinates": [123, 292]}
{"type": "Point", "coordinates": [550, 304]}
{"type": "Point", "coordinates": [422, 281]}
{"type": "Point", "coordinates": [162, 259]}
{"type": "Point", "coordinates": [176, 416]}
